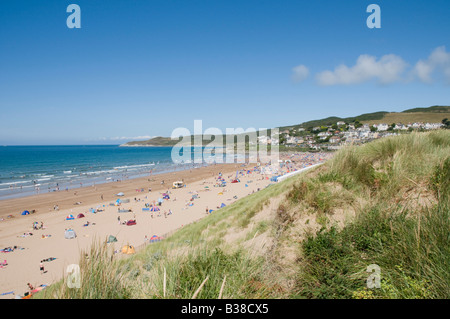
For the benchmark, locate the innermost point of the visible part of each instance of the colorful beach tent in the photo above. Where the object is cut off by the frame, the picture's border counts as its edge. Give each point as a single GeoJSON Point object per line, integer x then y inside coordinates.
{"type": "Point", "coordinates": [154, 238]}
{"type": "Point", "coordinates": [70, 217]}
{"type": "Point", "coordinates": [25, 212]}
{"type": "Point", "coordinates": [120, 194]}
{"type": "Point", "coordinates": [80, 215]}
{"type": "Point", "coordinates": [70, 234]}
{"type": "Point", "coordinates": [131, 222]}
{"type": "Point", "coordinates": [128, 249]}
{"type": "Point", "coordinates": [155, 209]}
{"type": "Point", "coordinates": [223, 205]}
{"type": "Point", "coordinates": [111, 239]}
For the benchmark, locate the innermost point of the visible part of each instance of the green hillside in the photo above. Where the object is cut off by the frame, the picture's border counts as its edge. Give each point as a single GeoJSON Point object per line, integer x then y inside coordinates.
{"type": "Point", "coordinates": [435, 109]}
{"type": "Point", "coordinates": [422, 114]}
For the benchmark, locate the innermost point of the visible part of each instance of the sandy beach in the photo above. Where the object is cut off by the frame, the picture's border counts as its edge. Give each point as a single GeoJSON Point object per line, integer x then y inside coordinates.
{"type": "Point", "coordinates": [184, 206]}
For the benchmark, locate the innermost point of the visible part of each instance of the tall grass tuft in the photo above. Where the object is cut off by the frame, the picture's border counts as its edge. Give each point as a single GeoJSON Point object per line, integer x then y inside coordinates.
{"type": "Point", "coordinates": [199, 272]}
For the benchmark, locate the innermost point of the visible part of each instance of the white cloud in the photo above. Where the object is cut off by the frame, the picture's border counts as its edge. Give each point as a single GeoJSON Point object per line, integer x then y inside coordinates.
{"type": "Point", "coordinates": [387, 69]}
{"type": "Point", "coordinates": [300, 73]}
{"type": "Point", "coordinates": [439, 60]}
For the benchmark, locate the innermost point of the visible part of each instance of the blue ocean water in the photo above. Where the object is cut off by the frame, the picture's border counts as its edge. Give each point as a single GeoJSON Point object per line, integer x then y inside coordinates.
{"type": "Point", "coordinates": [26, 170]}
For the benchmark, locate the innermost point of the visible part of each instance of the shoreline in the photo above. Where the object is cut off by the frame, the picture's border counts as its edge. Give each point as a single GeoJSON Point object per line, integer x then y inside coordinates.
{"type": "Point", "coordinates": [95, 182]}
{"type": "Point", "coordinates": [44, 202]}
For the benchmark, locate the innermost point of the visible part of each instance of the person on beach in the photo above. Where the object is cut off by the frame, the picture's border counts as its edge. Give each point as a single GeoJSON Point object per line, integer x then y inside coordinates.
{"type": "Point", "coordinates": [118, 219]}
{"type": "Point", "coordinates": [41, 268]}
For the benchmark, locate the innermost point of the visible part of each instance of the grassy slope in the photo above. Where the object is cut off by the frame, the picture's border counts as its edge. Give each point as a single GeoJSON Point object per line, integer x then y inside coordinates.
{"type": "Point", "coordinates": [383, 203]}
{"type": "Point", "coordinates": [433, 114]}
{"type": "Point", "coordinates": [413, 117]}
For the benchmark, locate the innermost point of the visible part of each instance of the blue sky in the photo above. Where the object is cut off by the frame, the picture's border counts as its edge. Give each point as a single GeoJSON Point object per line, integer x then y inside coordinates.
{"type": "Point", "coordinates": [144, 68]}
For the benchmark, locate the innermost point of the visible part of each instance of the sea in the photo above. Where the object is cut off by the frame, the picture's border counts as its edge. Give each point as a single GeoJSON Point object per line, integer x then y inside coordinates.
{"type": "Point", "coordinates": [28, 170]}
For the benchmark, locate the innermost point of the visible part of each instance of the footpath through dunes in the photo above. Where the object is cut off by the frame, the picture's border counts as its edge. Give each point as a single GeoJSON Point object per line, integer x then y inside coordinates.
{"type": "Point", "coordinates": [313, 235]}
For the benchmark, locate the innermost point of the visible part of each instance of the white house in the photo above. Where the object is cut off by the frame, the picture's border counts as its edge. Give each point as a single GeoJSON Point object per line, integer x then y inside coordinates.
{"type": "Point", "coordinates": [381, 127]}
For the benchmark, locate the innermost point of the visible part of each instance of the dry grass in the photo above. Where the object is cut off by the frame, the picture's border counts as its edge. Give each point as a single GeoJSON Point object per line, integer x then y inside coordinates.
{"type": "Point", "coordinates": [406, 118]}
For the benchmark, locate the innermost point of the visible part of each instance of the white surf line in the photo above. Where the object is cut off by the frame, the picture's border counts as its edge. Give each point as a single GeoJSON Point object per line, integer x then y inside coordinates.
{"type": "Point", "coordinates": [279, 179]}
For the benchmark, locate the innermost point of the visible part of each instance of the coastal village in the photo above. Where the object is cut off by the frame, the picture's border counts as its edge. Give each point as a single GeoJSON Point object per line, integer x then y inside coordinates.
{"type": "Point", "coordinates": [333, 136]}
